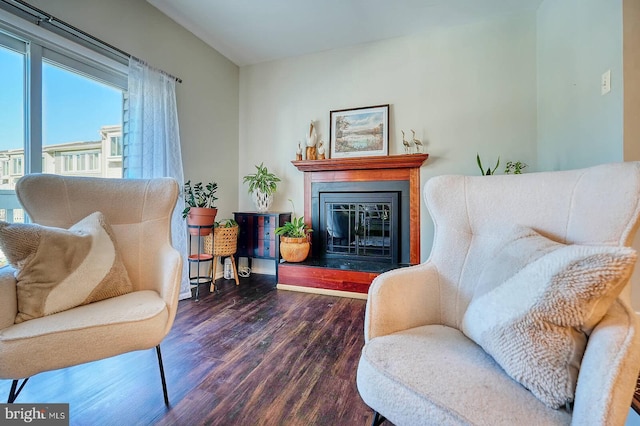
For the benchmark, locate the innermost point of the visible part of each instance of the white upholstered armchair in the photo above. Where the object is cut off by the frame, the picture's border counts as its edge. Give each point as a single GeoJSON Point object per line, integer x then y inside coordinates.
{"type": "Point", "coordinates": [139, 214]}
{"type": "Point", "coordinates": [429, 328]}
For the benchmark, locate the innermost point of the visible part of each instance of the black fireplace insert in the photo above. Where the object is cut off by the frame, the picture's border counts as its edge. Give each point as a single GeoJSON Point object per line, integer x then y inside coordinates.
{"type": "Point", "coordinates": [361, 221]}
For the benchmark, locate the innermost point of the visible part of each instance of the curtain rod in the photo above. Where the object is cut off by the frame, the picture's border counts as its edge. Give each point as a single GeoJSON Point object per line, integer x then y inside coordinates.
{"type": "Point", "coordinates": [43, 17]}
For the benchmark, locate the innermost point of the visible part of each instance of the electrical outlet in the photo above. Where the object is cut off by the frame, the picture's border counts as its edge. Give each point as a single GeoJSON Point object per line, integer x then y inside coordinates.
{"type": "Point", "coordinates": [605, 84]}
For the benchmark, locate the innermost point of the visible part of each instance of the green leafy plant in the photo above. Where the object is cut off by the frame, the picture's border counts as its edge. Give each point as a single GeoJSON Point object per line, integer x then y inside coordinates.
{"type": "Point", "coordinates": [225, 223]}
{"type": "Point", "coordinates": [198, 195]}
{"type": "Point", "coordinates": [489, 171]}
{"type": "Point", "coordinates": [262, 180]}
{"type": "Point", "coordinates": [294, 229]}
{"type": "Point", "coordinates": [514, 167]}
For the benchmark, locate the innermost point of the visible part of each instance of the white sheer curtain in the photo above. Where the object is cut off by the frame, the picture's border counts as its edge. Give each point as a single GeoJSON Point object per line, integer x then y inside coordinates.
{"type": "Point", "coordinates": [152, 141]}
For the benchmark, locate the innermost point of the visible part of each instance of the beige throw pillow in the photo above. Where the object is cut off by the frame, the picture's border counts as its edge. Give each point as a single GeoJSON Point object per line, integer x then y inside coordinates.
{"type": "Point", "coordinates": [537, 302]}
{"type": "Point", "coordinates": [59, 269]}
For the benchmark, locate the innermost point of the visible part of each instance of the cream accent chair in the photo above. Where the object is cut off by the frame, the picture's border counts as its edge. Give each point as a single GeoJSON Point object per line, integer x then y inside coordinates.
{"type": "Point", "coordinates": [418, 368]}
{"type": "Point", "coordinates": [139, 212]}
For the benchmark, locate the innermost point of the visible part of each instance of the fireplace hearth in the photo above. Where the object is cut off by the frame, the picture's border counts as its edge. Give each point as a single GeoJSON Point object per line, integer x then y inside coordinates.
{"type": "Point", "coordinates": [365, 214]}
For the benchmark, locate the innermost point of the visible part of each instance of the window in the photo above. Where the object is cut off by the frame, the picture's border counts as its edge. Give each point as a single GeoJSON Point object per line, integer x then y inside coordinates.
{"type": "Point", "coordinates": [17, 166]}
{"type": "Point", "coordinates": [12, 122]}
{"type": "Point", "coordinates": [94, 161]}
{"type": "Point", "coordinates": [67, 163]}
{"type": "Point", "coordinates": [116, 146]}
{"type": "Point", "coordinates": [76, 101]}
{"type": "Point", "coordinates": [82, 162]}
{"type": "Point", "coordinates": [56, 99]}
{"type": "Point", "coordinates": [79, 113]}
{"type": "Point", "coordinates": [12, 97]}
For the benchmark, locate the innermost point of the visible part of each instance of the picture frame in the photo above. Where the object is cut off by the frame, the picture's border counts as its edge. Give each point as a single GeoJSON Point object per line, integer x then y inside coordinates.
{"type": "Point", "coordinates": [359, 132]}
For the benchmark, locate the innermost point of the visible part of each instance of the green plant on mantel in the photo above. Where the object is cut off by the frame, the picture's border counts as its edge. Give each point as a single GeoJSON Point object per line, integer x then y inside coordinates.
{"type": "Point", "coordinates": [262, 180]}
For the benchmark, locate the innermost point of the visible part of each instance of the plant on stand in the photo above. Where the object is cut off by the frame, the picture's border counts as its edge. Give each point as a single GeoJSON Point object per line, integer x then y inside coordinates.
{"type": "Point", "coordinates": [222, 244]}
{"type": "Point", "coordinates": [294, 238]}
{"type": "Point", "coordinates": [200, 209]}
{"type": "Point", "coordinates": [262, 185]}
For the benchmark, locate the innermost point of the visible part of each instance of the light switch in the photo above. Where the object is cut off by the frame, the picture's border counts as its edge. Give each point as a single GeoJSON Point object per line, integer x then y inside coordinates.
{"type": "Point", "coordinates": [605, 85]}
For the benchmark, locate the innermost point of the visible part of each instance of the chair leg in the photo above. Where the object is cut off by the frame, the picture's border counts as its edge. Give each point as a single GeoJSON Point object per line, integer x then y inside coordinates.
{"type": "Point", "coordinates": [13, 393]}
{"type": "Point", "coordinates": [378, 419]}
{"type": "Point", "coordinates": [164, 382]}
{"type": "Point", "coordinates": [15, 390]}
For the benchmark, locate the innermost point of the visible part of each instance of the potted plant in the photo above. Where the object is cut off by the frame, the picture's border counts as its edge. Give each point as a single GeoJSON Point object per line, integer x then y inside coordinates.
{"type": "Point", "coordinates": [262, 185]}
{"type": "Point", "coordinates": [225, 237]}
{"type": "Point", "coordinates": [294, 239]}
{"type": "Point", "coordinates": [489, 171]}
{"type": "Point", "coordinates": [200, 209]}
{"type": "Point", "coordinates": [514, 167]}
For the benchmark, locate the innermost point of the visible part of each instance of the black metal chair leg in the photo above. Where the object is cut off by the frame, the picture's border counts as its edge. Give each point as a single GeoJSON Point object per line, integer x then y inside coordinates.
{"type": "Point", "coordinates": [378, 419]}
{"type": "Point", "coordinates": [13, 393]}
{"type": "Point", "coordinates": [164, 382]}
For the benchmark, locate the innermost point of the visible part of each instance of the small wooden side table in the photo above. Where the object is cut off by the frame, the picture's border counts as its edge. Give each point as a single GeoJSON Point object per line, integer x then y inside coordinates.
{"type": "Point", "coordinates": [257, 238]}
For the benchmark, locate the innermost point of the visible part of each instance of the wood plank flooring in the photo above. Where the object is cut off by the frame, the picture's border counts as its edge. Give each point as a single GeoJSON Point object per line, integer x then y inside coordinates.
{"type": "Point", "coordinates": [248, 355]}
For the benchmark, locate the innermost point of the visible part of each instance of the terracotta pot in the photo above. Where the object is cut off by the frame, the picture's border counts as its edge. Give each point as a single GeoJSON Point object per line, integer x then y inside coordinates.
{"type": "Point", "coordinates": [201, 216]}
{"type": "Point", "coordinates": [294, 249]}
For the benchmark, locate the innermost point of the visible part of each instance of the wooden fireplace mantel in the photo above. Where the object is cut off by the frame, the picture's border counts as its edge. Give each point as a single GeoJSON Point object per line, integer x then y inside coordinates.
{"type": "Point", "coordinates": [380, 168]}
{"type": "Point", "coordinates": [363, 169]}
{"type": "Point", "coordinates": [362, 163]}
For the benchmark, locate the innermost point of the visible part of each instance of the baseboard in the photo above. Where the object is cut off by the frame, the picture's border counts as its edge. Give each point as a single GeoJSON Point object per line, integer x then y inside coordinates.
{"type": "Point", "coordinates": [323, 291]}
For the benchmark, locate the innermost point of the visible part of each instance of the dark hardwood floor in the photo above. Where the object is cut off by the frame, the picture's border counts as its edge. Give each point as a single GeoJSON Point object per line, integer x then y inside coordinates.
{"type": "Point", "coordinates": [248, 355]}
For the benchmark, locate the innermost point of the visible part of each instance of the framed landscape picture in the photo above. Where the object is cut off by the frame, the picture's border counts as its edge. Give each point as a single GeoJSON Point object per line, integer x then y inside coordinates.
{"type": "Point", "coordinates": [359, 132]}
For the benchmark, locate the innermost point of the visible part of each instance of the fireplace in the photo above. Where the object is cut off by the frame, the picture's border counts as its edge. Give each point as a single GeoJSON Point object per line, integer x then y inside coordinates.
{"type": "Point", "coordinates": [361, 221]}
{"type": "Point", "coordinates": [365, 213]}
{"type": "Point", "coordinates": [359, 226]}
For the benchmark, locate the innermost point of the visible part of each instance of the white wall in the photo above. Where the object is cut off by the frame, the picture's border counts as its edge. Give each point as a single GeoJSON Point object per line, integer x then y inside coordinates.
{"type": "Point", "coordinates": [464, 90]}
{"type": "Point", "coordinates": [577, 41]}
{"type": "Point", "coordinates": [207, 98]}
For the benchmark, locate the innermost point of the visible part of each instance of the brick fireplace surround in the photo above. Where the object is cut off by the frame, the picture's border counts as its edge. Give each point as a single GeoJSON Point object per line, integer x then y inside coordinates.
{"type": "Point", "coordinates": [317, 276]}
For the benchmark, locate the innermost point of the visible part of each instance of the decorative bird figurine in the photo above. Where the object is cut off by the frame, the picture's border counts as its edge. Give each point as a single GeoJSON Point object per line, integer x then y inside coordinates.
{"type": "Point", "coordinates": [406, 143]}
{"type": "Point", "coordinates": [299, 152]}
{"type": "Point", "coordinates": [418, 142]}
{"type": "Point", "coordinates": [321, 155]}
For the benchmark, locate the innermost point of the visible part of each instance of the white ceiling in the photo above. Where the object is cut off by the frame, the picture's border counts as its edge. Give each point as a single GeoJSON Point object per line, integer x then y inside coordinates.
{"type": "Point", "coordinates": [253, 31]}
